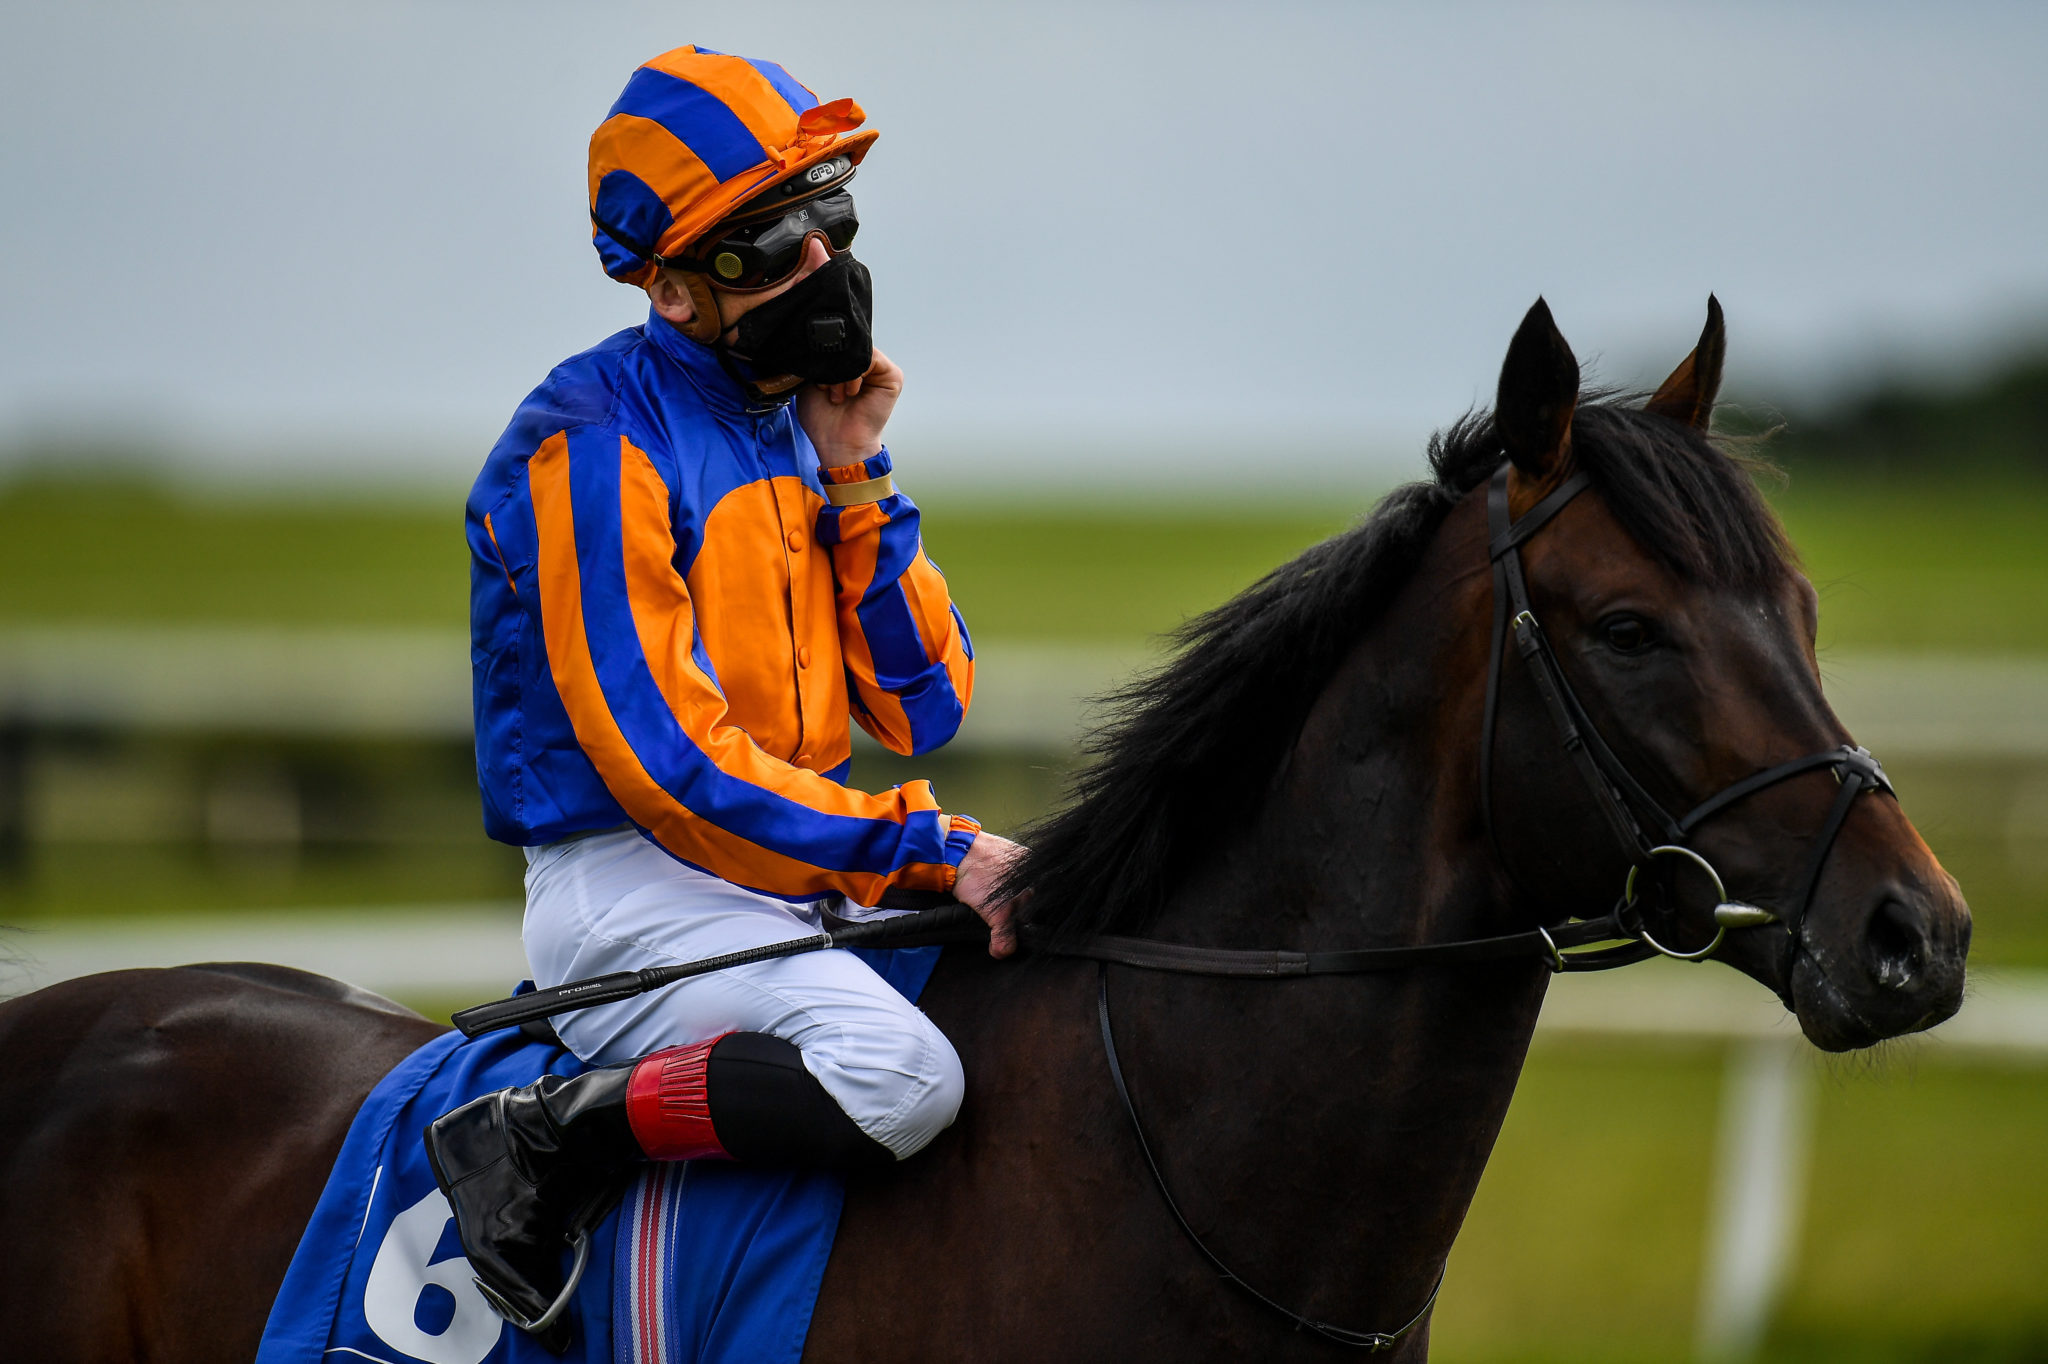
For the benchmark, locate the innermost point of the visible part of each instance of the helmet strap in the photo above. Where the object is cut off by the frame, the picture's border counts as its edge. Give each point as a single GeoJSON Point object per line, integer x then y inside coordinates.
{"type": "Point", "coordinates": [763, 394]}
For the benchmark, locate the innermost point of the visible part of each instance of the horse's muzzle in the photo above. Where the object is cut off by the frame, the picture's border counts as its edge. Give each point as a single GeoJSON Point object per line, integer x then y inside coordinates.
{"type": "Point", "coordinates": [1895, 967]}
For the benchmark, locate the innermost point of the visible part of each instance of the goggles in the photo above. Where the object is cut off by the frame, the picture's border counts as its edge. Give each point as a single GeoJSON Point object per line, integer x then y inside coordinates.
{"type": "Point", "coordinates": [762, 253]}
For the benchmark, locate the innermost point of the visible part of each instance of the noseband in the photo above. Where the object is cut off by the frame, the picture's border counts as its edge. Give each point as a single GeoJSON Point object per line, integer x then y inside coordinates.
{"type": "Point", "coordinates": [1619, 795]}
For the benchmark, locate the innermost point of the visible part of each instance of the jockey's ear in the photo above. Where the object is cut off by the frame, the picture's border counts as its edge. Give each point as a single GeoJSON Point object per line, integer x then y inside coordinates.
{"type": "Point", "coordinates": [1688, 395]}
{"type": "Point", "coordinates": [1539, 389]}
{"type": "Point", "coordinates": [671, 299]}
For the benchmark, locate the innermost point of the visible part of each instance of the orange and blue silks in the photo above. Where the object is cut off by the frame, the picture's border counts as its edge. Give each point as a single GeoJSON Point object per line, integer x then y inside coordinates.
{"type": "Point", "coordinates": [671, 627]}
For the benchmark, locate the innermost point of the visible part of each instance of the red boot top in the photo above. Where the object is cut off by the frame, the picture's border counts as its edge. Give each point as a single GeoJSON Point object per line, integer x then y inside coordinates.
{"type": "Point", "coordinates": [668, 1104]}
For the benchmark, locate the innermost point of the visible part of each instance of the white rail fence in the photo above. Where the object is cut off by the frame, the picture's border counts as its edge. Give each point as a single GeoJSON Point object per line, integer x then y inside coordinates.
{"type": "Point", "coordinates": [472, 952]}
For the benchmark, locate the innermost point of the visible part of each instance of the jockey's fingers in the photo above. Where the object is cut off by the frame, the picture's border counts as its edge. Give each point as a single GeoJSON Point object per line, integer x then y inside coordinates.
{"type": "Point", "coordinates": [1002, 938]}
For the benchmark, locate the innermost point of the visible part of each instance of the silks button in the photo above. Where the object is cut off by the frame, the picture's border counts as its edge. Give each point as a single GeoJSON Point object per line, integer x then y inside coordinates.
{"type": "Point", "coordinates": [796, 539]}
{"type": "Point", "coordinates": [803, 656]}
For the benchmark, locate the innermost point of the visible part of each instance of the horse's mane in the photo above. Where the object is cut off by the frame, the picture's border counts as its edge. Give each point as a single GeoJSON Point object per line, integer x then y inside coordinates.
{"type": "Point", "coordinates": [1189, 750]}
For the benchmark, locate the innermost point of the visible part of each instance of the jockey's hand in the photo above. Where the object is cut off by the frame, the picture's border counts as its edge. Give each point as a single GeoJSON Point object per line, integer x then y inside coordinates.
{"type": "Point", "coordinates": [988, 857]}
{"type": "Point", "coordinates": [845, 421]}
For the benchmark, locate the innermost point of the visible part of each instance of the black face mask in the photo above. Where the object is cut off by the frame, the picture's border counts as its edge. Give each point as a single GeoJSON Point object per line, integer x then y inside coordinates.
{"type": "Point", "coordinates": [818, 331]}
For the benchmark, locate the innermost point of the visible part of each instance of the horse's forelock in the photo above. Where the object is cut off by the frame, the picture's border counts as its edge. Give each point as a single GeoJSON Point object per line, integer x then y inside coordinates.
{"type": "Point", "coordinates": [1687, 500]}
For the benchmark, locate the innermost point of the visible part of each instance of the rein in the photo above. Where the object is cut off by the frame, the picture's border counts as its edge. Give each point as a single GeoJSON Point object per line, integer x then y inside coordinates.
{"type": "Point", "coordinates": [1621, 799]}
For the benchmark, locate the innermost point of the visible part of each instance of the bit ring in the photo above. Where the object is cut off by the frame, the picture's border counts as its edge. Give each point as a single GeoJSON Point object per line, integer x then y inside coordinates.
{"type": "Point", "coordinates": [1628, 897]}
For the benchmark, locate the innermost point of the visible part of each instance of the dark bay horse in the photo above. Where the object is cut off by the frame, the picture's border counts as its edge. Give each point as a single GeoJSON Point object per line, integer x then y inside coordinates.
{"type": "Point", "coordinates": [1304, 776]}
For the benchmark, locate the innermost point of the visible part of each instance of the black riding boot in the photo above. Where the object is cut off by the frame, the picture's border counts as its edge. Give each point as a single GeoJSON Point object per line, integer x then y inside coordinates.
{"type": "Point", "coordinates": [525, 1171]}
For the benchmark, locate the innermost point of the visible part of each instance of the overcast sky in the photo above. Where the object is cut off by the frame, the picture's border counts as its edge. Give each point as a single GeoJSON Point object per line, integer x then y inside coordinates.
{"type": "Point", "coordinates": [1114, 234]}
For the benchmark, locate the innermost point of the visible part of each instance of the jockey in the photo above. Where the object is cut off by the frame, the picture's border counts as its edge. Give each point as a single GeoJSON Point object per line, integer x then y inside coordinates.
{"type": "Point", "coordinates": [690, 568]}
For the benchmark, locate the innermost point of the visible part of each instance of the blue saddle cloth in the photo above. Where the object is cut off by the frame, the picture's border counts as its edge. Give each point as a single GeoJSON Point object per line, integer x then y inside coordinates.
{"type": "Point", "coordinates": [704, 1263]}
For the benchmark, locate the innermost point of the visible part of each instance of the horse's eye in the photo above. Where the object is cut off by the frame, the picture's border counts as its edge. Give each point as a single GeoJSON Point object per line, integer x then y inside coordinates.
{"type": "Point", "coordinates": [1626, 634]}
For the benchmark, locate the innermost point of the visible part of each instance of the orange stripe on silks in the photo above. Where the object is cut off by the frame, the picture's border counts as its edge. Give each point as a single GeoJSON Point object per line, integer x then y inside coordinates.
{"type": "Point", "coordinates": [924, 591]}
{"type": "Point", "coordinates": [863, 518]}
{"type": "Point", "coordinates": [663, 618]}
{"type": "Point", "coordinates": [924, 588]}
{"type": "Point", "coordinates": [740, 577]}
{"type": "Point", "coordinates": [597, 730]}
{"type": "Point", "coordinates": [502, 565]}
{"type": "Point", "coordinates": [821, 687]}
{"type": "Point", "coordinates": [650, 151]}
{"type": "Point", "coordinates": [735, 83]}
{"type": "Point", "coordinates": [769, 622]}
{"type": "Point", "coordinates": [853, 560]}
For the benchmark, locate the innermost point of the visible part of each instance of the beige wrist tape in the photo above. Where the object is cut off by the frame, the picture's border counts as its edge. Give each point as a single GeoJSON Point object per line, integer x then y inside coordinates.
{"type": "Point", "coordinates": [853, 494]}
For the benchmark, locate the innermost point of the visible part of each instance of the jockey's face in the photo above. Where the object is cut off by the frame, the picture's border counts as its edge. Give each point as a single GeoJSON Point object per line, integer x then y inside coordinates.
{"type": "Point", "coordinates": [672, 301]}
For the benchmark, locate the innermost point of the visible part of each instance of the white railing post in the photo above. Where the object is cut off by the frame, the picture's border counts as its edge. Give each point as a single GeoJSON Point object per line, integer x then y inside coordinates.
{"type": "Point", "coordinates": [1758, 1195]}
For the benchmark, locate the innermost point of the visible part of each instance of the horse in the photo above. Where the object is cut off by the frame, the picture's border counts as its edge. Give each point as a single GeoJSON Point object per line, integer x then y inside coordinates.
{"type": "Point", "coordinates": [1351, 751]}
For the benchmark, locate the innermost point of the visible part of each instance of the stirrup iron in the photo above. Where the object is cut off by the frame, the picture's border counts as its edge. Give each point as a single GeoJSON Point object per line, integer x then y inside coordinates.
{"type": "Point", "coordinates": [539, 1324]}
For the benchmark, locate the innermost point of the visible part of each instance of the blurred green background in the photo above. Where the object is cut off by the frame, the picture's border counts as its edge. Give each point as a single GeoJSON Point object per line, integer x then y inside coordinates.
{"type": "Point", "coordinates": [1926, 1229]}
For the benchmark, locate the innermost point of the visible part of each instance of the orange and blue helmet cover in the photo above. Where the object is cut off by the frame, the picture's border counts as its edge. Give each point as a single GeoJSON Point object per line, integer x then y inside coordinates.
{"type": "Point", "coordinates": [693, 135]}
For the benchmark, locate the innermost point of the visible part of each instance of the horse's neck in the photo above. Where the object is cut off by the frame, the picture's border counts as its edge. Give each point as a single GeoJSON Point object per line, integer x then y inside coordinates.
{"type": "Point", "coordinates": [1339, 1126]}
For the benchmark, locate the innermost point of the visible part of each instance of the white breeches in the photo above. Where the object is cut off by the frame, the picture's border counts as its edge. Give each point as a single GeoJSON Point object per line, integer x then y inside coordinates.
{"type": "Point", "coordinates": [615, 902]}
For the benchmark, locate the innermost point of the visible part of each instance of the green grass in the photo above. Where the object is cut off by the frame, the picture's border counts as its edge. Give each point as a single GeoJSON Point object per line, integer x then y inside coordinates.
{"type": "Point", "coordinates": [1901, 566]}
{"type": "Point", "coordinates": [1115, 576]}
{"type": "Point", "coordinates": [125, 553]}
{"type": "Point", "coordinates": [128, 553]}
{"type": "Point", "coordinates": [1923, 565]}
{"type": "Point", "coordinates": [1924, 1228]}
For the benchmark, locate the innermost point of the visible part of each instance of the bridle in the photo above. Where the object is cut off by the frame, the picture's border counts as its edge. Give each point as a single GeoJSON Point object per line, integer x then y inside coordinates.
{"type": "Point", "coordinates": [1619, 795]}
{"type": "Point", "coordinates": [1623, 802]}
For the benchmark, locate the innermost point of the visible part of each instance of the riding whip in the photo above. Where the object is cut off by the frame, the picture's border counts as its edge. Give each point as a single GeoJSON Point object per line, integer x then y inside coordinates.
{"type": "Point", "coordinates": [950, 922]}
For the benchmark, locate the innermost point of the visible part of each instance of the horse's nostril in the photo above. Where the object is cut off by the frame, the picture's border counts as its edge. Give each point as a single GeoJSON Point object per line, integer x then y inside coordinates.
{"type": "Point", "coordinates": [1897, 940]}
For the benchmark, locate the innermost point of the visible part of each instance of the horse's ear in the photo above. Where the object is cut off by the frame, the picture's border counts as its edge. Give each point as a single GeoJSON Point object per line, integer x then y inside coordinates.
{"type": "Point", "coordinates": [1688, 395]}
{"type": "Point", "coordinates": [1539, 388]}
